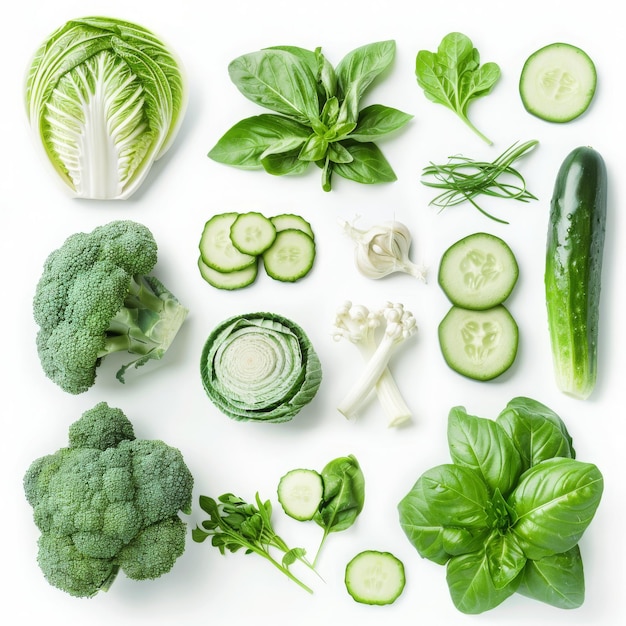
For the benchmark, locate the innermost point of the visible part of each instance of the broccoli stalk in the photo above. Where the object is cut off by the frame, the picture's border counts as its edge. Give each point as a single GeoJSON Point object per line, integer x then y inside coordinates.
{"type": "Point", "coordinates": [146, 325]}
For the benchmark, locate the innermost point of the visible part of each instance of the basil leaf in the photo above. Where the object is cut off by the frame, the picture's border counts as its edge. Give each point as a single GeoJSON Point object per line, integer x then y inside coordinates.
{"type": "Point", "coordinates": [377, 120]}
{"type": "Point", "coordinates": [558, 580]}
{"type": "Point", "coordinates": [284, 163]}
{"type": "Point", "coordinates": [277, 80]}
{"type": "Point", "coordinates": [320, 67]}
{"type": "Point", "coordinates": [356, 71]}
{"type": "Point", "coordinates": [445, 512]}
{"type": "Point", "coordinates": [537, 432]}
{"type": "Point", "coordinates": [505, 559]}
{"type": "Point", "coordinates": [555, 501]}
{"type": "Point", "coordinates": [248, 140]}
{"type": "Point", "coordinates": [314, 149]}
{"type": "Point", "coordinates": [368, 164]}
{"type": "Point", "coordinates": [471, 587]}
{"type": "Point", "coordinates": [482, 445]}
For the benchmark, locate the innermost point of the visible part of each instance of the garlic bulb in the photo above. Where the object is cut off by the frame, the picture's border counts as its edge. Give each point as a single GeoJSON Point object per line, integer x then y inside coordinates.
{"type": "Point", "coordinates": [383, 249]}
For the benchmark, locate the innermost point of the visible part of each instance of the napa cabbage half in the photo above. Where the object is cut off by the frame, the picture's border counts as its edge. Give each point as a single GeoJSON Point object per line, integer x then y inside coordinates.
{"type": "Point", "coordinates": [105, 98]}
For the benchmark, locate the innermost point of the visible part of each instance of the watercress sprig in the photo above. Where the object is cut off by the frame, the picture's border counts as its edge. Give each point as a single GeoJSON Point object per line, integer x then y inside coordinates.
{"type": "Point", "coordinates": [453, 76]}
{"type": "Point", "coordinates": [234, 524]}
{"type": "Point", "coordinates": [317, 115]}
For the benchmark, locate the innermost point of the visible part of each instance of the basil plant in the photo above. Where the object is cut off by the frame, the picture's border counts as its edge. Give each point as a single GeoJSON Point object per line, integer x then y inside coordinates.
{"type": "Point", "coordinates": [507, 514]}
{"type": "Point", "coordinates": [105, 99]}
{"type": "Point", "coordinates": [316, 116]}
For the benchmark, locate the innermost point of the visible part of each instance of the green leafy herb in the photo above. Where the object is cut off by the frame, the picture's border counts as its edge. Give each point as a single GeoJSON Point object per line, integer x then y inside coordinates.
{"type": "Point", "coordinates": [234, 524]}
{"type": "Point", "coordinates": [316, 114]}
{"type": "Point", "coordinates": [507, 514]}
{"type": "Point", "coordinates": [454, 77]}
{"type": "Point", "coordinates": [463, 179]}
{"type": "Point", "coordinates": [343, 497]}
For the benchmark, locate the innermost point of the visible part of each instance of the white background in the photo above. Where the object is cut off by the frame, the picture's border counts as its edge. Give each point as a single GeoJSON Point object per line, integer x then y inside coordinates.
{"type": "Point", "coordinates": [165, 400]}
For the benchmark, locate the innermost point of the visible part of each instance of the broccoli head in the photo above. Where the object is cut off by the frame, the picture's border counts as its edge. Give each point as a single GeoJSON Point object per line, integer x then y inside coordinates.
{"type": "Point", "coordinates": [108, 502]}
{"type": "Point", "coordinates": [95, 297]}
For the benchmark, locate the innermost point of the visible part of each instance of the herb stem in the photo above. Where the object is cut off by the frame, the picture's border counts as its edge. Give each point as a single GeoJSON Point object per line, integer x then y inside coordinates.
{"type": "Point", "coordinates": [462, 179]}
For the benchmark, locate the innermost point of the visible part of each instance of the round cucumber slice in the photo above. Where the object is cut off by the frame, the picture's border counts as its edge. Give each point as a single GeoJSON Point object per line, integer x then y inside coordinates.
{"type": "Point", "coordinates": [479, 344]}
{"type": "Point", "coordinates": [290, 257]}
{"type": "Point", "coordinates": [300, 492]}
{"type": "Point", "coordinates": [375, 578]}
{"type": "Point", "coordinates": [478, 271]}
{"type": "Point", "coordinates": [558, 82]}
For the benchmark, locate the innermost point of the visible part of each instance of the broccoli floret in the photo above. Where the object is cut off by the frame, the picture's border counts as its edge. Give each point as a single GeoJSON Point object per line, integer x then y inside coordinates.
{"type": "Point", "coordinates": [95, 297]}
{"type": "Point", "coordinates": [108, 502]}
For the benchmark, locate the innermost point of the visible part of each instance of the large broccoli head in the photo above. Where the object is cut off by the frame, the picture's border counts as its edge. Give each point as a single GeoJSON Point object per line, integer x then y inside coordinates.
{"type": "Point", "coordinates": [95, 297]}
{"type": "Point", "coordinates": [108, 501]}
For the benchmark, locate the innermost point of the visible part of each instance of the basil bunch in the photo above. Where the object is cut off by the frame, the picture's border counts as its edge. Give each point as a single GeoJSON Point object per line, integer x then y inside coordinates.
{"type": "Point", "coordinates": [507, 514]}
{"type": "Point", "coordinates": [317, 114]}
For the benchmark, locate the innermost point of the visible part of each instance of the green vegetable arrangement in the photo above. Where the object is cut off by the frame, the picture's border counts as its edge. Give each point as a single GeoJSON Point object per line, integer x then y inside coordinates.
{"type": "Point", "coordinates": [108, 502]}
{"type": "Point", "coordinates": [105, 98]}
{"type": "Point", "coordinates": [509, 511]}
{"type": "Point", "coordinates": [95, 297]}
{"type": "Point", "coordinates": [317, 115]}
{"type": "Point", "coordinates": [260, 367]}
{"type": "Point", "coordinates": [453, 76]}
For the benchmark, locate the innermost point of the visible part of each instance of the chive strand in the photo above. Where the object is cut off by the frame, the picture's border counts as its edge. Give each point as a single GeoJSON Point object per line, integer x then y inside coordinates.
{"type": "Point", "coordinates": [463, 179]}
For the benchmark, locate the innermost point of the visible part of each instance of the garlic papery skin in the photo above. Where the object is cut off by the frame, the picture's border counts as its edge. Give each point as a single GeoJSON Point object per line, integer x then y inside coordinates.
{"type": "Point", "coordinates": [383, 249]}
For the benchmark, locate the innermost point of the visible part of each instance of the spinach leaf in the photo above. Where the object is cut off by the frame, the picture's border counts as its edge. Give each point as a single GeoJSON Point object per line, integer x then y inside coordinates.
{"type": "Point", "coordinates": [446, 512]}
{"type": "Point", "coordinates": [537, 432]}
{"type": "Point", "coordinates": [317, 116]}
{"type": "Point", "coordinates": [277, 80]}
{"type": "Point", "coordinates": [454, 77]}
{"type": "Point", "coordinates": [555, 501]}
{"type": "Point", "coordinates": [482, 445]}
{"type": "Point", "coordinates": [343, 497]}
{"type": "Point", "coordinates": [471, 586]}
{"type": "Point", "coordinates": [557, 580]}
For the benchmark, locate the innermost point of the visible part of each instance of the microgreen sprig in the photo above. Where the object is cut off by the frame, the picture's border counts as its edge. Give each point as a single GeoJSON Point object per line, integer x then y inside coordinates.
{"type": "Point", "coordinates": [463, 179]}
{"type": "Point", "coordinates": [234, 524]}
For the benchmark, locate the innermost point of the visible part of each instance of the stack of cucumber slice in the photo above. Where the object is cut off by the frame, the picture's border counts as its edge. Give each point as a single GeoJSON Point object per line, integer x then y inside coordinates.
{"type": "Point", "coordinates": [478, 336]}
{"type": "Point", "coordinates": [233, 244]}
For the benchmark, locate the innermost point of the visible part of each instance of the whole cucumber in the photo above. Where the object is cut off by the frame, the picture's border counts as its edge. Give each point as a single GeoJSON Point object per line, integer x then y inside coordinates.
{"type": "Point", "coordinates": [573, 269]}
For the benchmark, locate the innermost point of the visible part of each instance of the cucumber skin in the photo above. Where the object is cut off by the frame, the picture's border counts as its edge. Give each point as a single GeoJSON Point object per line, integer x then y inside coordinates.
{"type": "Point", "coordinates": [573, 269]}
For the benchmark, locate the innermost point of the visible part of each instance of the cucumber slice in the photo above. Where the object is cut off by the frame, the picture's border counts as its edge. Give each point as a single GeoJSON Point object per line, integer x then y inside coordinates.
{"type": "Point", "coordinates": [252, 233]}
{"type": "Point", "coordinates": [216, 248]}
{"type": "Point", "coordinates": [291, 220]}
{"type": "Point", "coordinates": [291, 255]}
{"type": "Point", "coordinates": [479, 344]}
{"type": "Point", "coordinates": [300, 492]}
{"type": "Point", "coordinates": [228, 280]}
{"type": "Point", "coordinates": [558, 82]}
{"type": "Point", "coordinates": [478, 271]}
{"type": "Point", "coordinates": [374, 577]}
